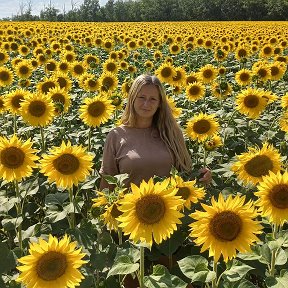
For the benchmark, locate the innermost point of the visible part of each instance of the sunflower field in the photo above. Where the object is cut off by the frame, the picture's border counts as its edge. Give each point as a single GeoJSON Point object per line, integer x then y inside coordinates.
{"type": "Point", "coordinates": [64, 87]}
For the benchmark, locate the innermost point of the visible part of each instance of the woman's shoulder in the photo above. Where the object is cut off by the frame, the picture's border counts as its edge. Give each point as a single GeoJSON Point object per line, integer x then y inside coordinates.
{"type": "Point", "coordinates": [117, 131]}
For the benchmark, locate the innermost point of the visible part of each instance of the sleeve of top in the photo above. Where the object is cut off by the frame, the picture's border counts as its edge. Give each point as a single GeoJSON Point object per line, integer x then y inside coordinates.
{"type": "Point", "coordinates": [109, 164]}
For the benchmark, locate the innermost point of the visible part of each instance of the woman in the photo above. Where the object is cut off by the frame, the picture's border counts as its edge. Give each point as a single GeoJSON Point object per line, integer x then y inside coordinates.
{"type": "Point", "coordinates": [149, 141]}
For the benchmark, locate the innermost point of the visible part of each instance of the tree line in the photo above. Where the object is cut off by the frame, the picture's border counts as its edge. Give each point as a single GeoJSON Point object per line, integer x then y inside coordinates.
{"type": "Point", "coordinates": [160, 10]}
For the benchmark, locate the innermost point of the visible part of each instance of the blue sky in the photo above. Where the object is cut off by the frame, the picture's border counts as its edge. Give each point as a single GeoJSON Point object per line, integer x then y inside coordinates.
{"type": "Point", "coordinates": [12, 7]}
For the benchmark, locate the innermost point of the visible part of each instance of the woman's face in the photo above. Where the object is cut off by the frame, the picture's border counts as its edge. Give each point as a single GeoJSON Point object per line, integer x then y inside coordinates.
{"type": "Point", "coordinates": [147, 102]}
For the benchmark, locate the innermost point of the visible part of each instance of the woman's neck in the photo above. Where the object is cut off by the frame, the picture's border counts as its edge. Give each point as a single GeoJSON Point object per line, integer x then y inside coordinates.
{"type": "Point", "coordinates": [143, 123]}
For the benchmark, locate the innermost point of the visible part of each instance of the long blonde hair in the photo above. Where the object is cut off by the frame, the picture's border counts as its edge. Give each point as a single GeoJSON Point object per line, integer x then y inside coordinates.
{"type": "Point", "coordinates": [163, 119]}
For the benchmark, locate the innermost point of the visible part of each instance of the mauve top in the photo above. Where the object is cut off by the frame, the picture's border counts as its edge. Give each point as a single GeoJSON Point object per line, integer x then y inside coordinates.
{"type": "Point", "coordinates": [139, 152]}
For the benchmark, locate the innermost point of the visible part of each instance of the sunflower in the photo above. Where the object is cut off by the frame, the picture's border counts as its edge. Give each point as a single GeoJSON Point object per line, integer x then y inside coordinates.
{"type": "Point", "coordinates": [192, 77]}
{"type": "Point", "coordinates": [243, 77]}
{"type": "Point", "coordinates": [17, 158]}
{"type": "Point", "coordinates": [272, 193]}
{"type": "Point", "coordinates": [180, 77]}
{"type": "Point", "coordinates": [51, 65]}
{"type": "Point", "coordinates": [52, 263]}
{"type": "Point", "coordinates": [4, 57]}
{"type": "Point", "coordinates": [77, 69]}
{"type": "Point", "coordinates": [201, 127]}
{"type": "Point", "coordinates": [63, 81]}
{"type": "Point", "coordinates": [277, 70]}
{"type": "Point", "coordinates": [225, 227]}
{"type": "Point", "coordinates": [60, 98]}
{"type": "Point", "coordinates": [213, 142]}
{"type": "Point", "coordinates": [110, 66]}
{"type": "Point", "coordinates": [241, 53]}
{"type": "Point", "coordinates": [37, 110]}
{"type": "Point", "coordinates": [108, 82]}
{"type": "Point", "coordinates": [24, 69]}
{"type": "Point", "coordinates": [46, 84]}
{"type": "Point", "coordinates": [66, 165]}
{"type": "Point", "coordinates": [266, 51]}
{"type": "Point", "coordinates": [261, 70]}
{"type": "Point", "coordinates": [69, 56]}
{"type": "Point", "coordinates": [150, 212]}
{"type": "Point", "coordinates": [221, 90]}
{"type": "Point", "coordinates": [91, 84]}
{"type": "Point", "coordinates": [63, 66]}
{"type": "Point", "coordinates": [90, 60]}
{"type": "Point", "coordinates": [284, 101]}
{"type": "Point", "coordinates": [187, 190]}
{"type": "Point", "coordinates": [283, 122]}
{"type": "Point", "coordinates": [96, 111]}
{"type": "Point", "coordinates": [110, 216]}
{"type": "Point", "coordinates": [14, 98]}
{"type": "Point", "coordinates": [2, 105]}
{"type": "Point", "coordinates": [175, 110]}
{"type": "Point", "coordinates": [166, 72]}
{"type": "Point", "coordinates": [125, 87]}
{"type": "Point", "coordinates": [250, 102]}
{"type": "Point", "coordinates": [174, 48]}
{"type": "Point", "coordinates": [148, 65]}
{"type": "Point", "coordinates": [6, 76]}
{"type": "Point", "coordinates": [195, 91]}
{"type": "Point", "coordinates": [256, 163]}
{"type": "Point", "coordinates": [208, 73]}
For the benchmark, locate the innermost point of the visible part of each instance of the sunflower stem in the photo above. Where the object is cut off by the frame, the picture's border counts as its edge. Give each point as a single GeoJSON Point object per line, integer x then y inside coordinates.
{"type": "Point", "coordinates": [19, 213]}
{"type": "Point", "coordinates": [214, 281]}
{"type": "Point", "coordinates": [142, 267]}
{"type": "Point", "coordinates": [274, 252]}
{"type": "Point", "coordinates": [15, 124]}
{"type": "Point", "coordinates": [42, 139]}
{"type": "Point", "coordinates": [72, 215]}
{"type": "Point", "coordinates": [120, 236]}
{"type": "Point", "coordinates": [89, 138]}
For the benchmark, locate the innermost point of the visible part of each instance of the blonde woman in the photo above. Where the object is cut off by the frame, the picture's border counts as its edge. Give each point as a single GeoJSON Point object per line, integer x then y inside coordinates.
{"type": "Point", "coordinates": [149, 141]}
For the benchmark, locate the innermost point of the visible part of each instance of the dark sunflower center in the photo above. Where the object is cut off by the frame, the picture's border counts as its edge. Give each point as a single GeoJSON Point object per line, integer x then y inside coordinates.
{"type": "Point", "coordinates": [12, 157]}
{"type": "Point", "coordinates": [107, 82]}
{"type": "Point", "coordinates": [62, 82]}
{"type": "Point", "coordinates": [111, 67]}
{"type": "Point", "coordinates": [51, 266]}
{"type": "Point", "coordinates": [191, 79]}
{"type": "Point", "coordinates": [2, 56]}
{"type": "Point", "coordinates": [115, 211]}
{"type": "Point", "coordinates": [166, 72]}
{"type": "Point", "coordinates": [51, 66]}
{"type": "Point", "coordinates": [194, 90]}
{"type": "Point", "coordinates": [58, 97]}
{"type": "Point", "coordinates": [262, 72]}
{"type": "Point", "coordinates": [16, 100]}
{"type": "Point", "coordinates": [66, 164]}
{"type": "Point", "coordinates": [150, 209]}
{"type": "Point", "coordinates": [47, 86]}
{"type": "Point", "coordinates": [4, 76]}
{"type": "Point", "coordinates": [225, 226]}
{"type": "Point", "coordinates": [96, 109]}
{"type": "Point", "coordinates": [24, 70]}
{"type": "Point", "coordinates": [37, 108]}
{"type": "Point", "coordinates": [279, 196]}
{"type": "Point", "coordinates": [244, 76]}
{"type": "Point", "coordinates": [1, 103]}
{"type": "Point", "coordinates": [92, 83]}
{"type": "Point", "coordinates": [78, 69]}
{"type": "Point", "coordinates": [274, 71]}
{"type": "Point", "coordinates": [175, 48]}
{"type": "Point", "coordinates": [259, 166]}
{"type": "Point", "coordinates": [63, 66]}
{"type": "Point", "coordinates": [184, 192]}
{"type": "Point", "coordinates": [207, 73]}
{"type": "Point", "coordinates": [242, 53]}
{"type": "Point", "coordinates": [267, 50]}
{"type": "Point", "coordinates": [178, 76]}
{"type": "Point", "coordinates": [251, 101]}
{"type": "Point", "coordinates": [201, 126]}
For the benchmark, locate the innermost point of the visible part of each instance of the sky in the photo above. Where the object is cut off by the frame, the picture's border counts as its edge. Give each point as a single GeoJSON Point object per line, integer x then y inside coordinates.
{"type": "Point", "coordinates": [12, 7]}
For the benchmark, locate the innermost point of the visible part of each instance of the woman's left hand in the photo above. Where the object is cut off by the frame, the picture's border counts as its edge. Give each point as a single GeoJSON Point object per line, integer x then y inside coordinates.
{"type": "Point", "coordinates": [206, 176]}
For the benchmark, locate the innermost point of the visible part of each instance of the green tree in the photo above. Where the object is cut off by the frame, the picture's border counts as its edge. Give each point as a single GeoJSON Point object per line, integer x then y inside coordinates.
{"type": "Point", "coordinates": [89, 11]}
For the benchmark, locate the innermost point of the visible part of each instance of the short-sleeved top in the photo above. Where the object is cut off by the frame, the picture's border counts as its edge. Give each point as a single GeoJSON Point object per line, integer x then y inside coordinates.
{"type": "Point", "coordinates": [139, 152]}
